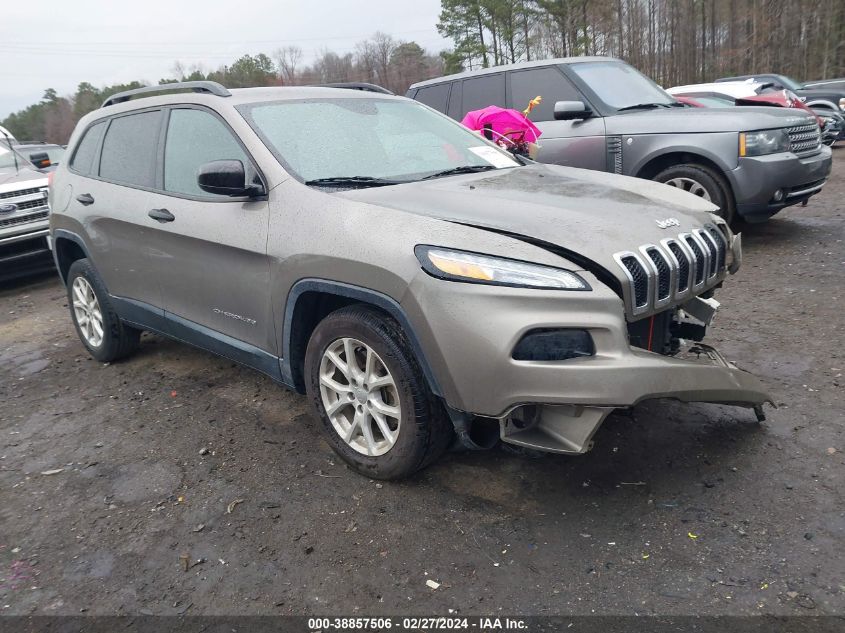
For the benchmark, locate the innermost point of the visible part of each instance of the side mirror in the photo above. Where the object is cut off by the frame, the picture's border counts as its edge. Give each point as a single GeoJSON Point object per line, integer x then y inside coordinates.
{"type": "Point", "coordinates": [226, 178]}
{"type": "Point", "coordinates": [40, 160]}
{"type": "Point", "coordinates": [569, 110]}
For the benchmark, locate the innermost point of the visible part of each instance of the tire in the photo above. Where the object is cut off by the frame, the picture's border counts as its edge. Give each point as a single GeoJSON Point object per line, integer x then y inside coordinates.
{"type": "Point", "coordinates": [702, 181]}
{"type": "Point", "coordinates": [84, 288]}
{"type": "Point", "coordinates": [417, 432]}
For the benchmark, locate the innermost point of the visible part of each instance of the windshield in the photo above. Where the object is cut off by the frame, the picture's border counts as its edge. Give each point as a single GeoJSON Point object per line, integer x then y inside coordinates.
{"type": "Point", "coordinates": [53, 152]}
{"type": "Point", "coordinates": [711, 101]}
{"type": "Point", "coordinates": [7, 158]}
{"type": "Point", "coordinates": [389, 140]}
{"type": "Point", "coordinates": [791, 84]}
{"type": "Point", "coordinates": [619, 85]}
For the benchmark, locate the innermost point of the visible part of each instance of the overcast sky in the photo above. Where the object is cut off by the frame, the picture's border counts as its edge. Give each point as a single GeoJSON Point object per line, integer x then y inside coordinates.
{"type": "Point", "coordinates": [60, 43]}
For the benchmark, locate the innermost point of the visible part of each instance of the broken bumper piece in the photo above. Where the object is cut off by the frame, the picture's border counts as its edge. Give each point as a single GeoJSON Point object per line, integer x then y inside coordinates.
{"type": "Point", "coordinates": [569, 428]}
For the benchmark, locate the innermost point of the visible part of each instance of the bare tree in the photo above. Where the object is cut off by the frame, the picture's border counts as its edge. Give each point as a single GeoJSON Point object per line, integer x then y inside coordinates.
{"type": "Point", "coordinates": [288, 59]}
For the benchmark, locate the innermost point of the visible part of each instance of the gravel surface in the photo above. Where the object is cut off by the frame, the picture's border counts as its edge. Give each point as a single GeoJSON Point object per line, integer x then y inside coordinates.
{"type": "Point", "coordinates": [115, 478]}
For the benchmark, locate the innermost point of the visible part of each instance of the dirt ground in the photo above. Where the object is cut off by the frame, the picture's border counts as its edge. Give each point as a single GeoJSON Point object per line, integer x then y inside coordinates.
{"type": "Point", "coordinates": [677, 510]}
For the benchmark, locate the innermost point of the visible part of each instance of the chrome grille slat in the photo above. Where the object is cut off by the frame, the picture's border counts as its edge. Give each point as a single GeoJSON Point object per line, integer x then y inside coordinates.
{"type": "Point", "coordinates": [659, 275]}
{"type": "Point", "coordinates": [805, 140]}
{"type": "Point", "coordinates": [712, 252]}
{"type": "Point", "coordinates": [23, 219]}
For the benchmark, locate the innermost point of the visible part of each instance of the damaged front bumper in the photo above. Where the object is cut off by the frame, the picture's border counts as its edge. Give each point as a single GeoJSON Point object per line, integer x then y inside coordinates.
{"type": "Point", "coordinates": [469, 333]}
{"type": "Point", "coordinates": [570, 428]}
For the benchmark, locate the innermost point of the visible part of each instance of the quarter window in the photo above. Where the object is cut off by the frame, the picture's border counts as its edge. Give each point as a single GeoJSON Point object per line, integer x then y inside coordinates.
{"type": "Point", "coordinates": [547, 83]}
{"type": "Point", "coordinates": [83, 158]}
{"type": "Point", "coordinates": [195, 137]}
{"type": "Point", "coordinates": [129, 149]}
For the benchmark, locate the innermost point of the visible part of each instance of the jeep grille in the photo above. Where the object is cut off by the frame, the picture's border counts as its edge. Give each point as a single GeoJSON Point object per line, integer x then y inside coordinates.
{"type": "Point", "coordinates": [659, 275]}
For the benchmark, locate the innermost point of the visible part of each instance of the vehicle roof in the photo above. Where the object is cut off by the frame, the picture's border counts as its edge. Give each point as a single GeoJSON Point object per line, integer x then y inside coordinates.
{"type": "Point", "coordinates": [239, 96]}
{"type": "Point", "coordinates": [735, 89]}
{"type": "Point", "coordinates": [522, 65]}
{"type": "Point", "coordinates": [37, 144]}
{"type": "Point", "coordinates": [755, 76]}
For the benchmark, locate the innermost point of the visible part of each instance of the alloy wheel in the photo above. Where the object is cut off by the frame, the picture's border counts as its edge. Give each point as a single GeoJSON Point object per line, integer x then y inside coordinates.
{"type": "Point", "coordinates": [86, 310]}
{"type": "Point", "coordinates": [360, 397]}
{"type": "Point", "coordinates": [692, 186]}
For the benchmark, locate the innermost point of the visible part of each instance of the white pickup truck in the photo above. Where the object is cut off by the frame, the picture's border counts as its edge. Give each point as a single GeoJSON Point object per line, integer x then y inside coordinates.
{"type": "Point", "coordinates": [24, 215]}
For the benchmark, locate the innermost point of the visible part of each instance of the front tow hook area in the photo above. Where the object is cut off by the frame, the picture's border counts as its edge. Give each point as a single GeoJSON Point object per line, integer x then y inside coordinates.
{"type": "Point", "coordinates": [566, 429]}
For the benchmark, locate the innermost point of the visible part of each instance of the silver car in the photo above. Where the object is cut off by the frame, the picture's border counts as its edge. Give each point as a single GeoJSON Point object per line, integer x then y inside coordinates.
{"type": "Point", "coordinates": [417, 282]}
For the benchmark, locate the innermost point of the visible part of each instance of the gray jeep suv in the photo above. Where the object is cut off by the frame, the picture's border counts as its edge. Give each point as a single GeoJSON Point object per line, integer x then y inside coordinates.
{"type": "Point", "coordinates": [600, 113]}
{"type": "Point", "coordinates": [417, 282]}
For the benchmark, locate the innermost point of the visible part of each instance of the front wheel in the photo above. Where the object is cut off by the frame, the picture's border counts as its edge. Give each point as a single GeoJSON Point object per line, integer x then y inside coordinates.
{"type": "Point", "coordinates": [703, 182]}
{"type": "Point", "coordinates": [367, 389]}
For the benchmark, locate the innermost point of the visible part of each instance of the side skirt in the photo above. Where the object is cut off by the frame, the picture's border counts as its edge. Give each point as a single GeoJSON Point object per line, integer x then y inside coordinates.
{"type": "Point", "coordinates": [147, 317]}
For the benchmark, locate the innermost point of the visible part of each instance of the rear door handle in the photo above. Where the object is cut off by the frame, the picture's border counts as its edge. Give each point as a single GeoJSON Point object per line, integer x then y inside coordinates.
{"type": "Point", "coordinates": [162, 215]}
{"type": "Point", "coordinates": [85, 198]}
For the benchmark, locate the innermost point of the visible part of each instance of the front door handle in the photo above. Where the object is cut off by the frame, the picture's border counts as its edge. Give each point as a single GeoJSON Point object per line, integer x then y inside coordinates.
{"type": "Point", "coordinates": [85, 198]}
{"type": "Point", "coordinates": [162, 215]}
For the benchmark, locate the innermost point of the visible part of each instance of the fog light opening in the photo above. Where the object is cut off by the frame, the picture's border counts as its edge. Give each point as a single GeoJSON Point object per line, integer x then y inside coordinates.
{"type": "Point", "coordinates": [545, 344]}
{"type": "Point", "coordinates": [779, 195]}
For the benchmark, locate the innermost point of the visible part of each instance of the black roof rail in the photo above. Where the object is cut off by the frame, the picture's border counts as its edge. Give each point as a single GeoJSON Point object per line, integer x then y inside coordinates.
{"type": "Point", "coordinates": [209, 87]}
{"type": "Point", "coordinates": [356, 85]}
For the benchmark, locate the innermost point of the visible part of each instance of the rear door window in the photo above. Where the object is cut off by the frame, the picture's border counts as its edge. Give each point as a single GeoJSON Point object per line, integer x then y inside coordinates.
{"type": "Point", "coordinates": [434, 96]}
{"type": "Point", "coordinates": [480, 92]}
{"type": "Point", "coordinates": [548, 83]}
{"type": "Point", "coordinates": [83, 157]}
{"type": "Point", "coordinates": [196, 137]}
{"type": "Point", "coordinates": [129, 149]}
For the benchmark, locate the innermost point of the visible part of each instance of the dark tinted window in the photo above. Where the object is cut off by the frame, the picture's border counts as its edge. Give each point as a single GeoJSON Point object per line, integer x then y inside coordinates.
{"type": "Point", "coordinates": [481, 92]}
{"type": "Point", "coordinates": [548, 83]}
{"type": "Point", "coordinates": [196, 137]}
{"type": "Point", "coordinates": [455, 106]}
{"type": "Point", "coordinates": [83, 158]}
{"type": "Point", "coordinates": [129, 149]}
{"type": "Point", "coordinates": [434, 96]}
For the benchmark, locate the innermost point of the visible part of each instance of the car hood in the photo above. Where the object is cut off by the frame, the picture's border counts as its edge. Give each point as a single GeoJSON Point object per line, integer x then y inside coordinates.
{"type": "Point", "coordinates": [828, 94]}
{"type": "Point", "coordinates": [24, 175]}
{"type": "Point", "coordinates": [588, 213]}
{"type": "Point", "coordinates": [703, 120]}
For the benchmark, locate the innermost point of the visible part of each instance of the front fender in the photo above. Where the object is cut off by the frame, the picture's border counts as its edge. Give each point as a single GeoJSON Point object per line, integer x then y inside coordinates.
{"type": "Point", "coordinates": [719, 148]}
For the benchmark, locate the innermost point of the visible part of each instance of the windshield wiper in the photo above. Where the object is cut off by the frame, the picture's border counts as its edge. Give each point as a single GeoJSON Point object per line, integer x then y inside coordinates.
{"type": "Point", "coordinates": [353, 181]}
{"type": "Point", "coordinates": [464, 169]}
{"type": "Point", "coordinates": [639, 106]}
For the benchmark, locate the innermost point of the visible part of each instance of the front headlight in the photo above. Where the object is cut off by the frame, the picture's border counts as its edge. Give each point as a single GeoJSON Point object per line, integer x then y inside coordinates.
{"type": "Point", "coordinates": [763, 142]}
{"type": "Point", "coordinates": [842, 103]}
{"type": "Point", "coordinates": [498, 271]}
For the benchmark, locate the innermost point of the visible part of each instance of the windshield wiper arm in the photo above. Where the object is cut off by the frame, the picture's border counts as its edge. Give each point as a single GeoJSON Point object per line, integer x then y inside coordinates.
{"type": "Point", "coordinates": [644, 105]}
{"type": "Point", "coordinates": [353, 181]}
{"type": "Point", "coordinates": [464, 169]}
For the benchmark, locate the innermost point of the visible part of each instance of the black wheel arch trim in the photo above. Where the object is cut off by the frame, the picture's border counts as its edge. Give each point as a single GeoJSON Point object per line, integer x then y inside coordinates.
{"type": "Point", "coordinates": [64, 234]}
{"type": "Point", "coordinates": [358, 293]}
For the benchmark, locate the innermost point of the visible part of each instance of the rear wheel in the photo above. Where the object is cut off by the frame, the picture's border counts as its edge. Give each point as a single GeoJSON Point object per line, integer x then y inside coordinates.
{"type": "Point", "coordinates": [99, 328]}
{"type": "Point", "coordinates": [703, 182]}
{"type": "Point", "coordinates": [367, 389]}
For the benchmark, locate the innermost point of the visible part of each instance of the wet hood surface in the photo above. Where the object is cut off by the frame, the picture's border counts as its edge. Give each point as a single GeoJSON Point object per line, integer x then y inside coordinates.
{"type": "Point", "coordinates": [590, 213]}
{"type": "Point", "coordinates": [705, 120]}
{"type": "Point", "coordinates": [25, 175]}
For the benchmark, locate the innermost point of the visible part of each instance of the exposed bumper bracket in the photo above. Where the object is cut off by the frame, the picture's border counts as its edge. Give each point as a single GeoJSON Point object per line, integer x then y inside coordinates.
{"type": "Point", "coordinates": [565, 429]}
